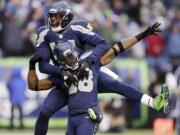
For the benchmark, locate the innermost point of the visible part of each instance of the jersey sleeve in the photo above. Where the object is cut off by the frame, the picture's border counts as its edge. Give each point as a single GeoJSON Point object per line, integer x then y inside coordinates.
{"type": "Point", "coordinates": [41, 35]}
{"type": "Point", "coordinates": [43, 50]}
{"type": "Point", "coordinates": [44, 65]}
{"type": "Point", "coordinates": [86, 35]}
{"type": "Point", "coordinates": [57, 81]}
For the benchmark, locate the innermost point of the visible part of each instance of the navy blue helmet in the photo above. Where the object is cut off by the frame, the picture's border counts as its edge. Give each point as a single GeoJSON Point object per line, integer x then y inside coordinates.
{"type": "Point", "coordinates": [66, 55]}
{"type": "Point", "coordinates": [59, 16]}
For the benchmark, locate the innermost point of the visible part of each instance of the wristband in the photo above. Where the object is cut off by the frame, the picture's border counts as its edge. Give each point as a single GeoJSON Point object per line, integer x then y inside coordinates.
{"type": "Point", "coordinates": [115, 51]}
{"type": "Point", "coordinates": [140, 36]}
{"type": "Point", "coordinates": [121, 47]}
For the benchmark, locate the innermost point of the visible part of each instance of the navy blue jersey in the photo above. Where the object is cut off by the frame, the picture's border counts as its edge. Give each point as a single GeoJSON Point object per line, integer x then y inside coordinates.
{"type": "Point", "coordinates": [84, 95]}
{"type": "Point", "coordinates": [59, 83]}
{"type": "Point", "coordinates": [78, 33]}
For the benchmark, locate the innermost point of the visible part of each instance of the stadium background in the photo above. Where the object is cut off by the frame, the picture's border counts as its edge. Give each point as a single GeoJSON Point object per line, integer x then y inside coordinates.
{"type": "Point", "coordinates": [147, 65]}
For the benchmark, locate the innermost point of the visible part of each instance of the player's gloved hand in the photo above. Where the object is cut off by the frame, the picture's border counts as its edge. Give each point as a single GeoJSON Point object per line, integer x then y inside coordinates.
{"type": "Point", "coordinates": [151, 30]}
{"type": "Point", "coordinates": [83, 71]}
{"type": "Point", "coordinates": [69, 78]}
{"type": "Point", "coordinates": [33, 60]}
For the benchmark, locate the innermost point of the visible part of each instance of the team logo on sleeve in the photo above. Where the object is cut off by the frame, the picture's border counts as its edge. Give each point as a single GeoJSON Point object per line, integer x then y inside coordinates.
{"type": "Point", "coordinates": [82, 29]}
{"type": "Point", "coordinates": [89, 26]}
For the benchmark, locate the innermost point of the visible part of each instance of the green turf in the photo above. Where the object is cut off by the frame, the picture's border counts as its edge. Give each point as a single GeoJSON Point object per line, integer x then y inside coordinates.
{"type": "Point", "coordinates": [58, 125]}
{"type": "Point", "coordinates": [30, 122]}
{"type": "Point", "coordinates": [62, 132]}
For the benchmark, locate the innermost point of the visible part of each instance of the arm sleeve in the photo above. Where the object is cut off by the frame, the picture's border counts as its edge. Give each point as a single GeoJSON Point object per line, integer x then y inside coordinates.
{"type": "Point", "coordinates": [99, 51]}
{"type": "Point", "coordinates": [44, 65]}
{"type": "Point", "coordinates": [43, 50]}
{"type": "Point", "coordinates": [86, 35]}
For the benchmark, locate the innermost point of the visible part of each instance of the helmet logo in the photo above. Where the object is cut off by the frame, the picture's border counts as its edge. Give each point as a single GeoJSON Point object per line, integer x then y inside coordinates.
{"type": "Point", "coordinates": [53, 10]}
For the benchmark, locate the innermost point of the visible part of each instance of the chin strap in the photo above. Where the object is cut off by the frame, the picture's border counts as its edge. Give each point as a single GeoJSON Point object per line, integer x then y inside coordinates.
{"type": "Point", "coordinates": [57, 29]}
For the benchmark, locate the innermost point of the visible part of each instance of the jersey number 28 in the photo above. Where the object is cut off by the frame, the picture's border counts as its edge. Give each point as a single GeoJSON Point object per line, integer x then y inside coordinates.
{"type": "Point", "coordinates": [85, 85]}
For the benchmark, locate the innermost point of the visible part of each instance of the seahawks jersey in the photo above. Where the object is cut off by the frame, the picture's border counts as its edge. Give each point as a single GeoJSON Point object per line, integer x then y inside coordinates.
{"type": "Point", "coordinates": [80, 34]}
{"type": "Point", "coordinates": [84, 94]}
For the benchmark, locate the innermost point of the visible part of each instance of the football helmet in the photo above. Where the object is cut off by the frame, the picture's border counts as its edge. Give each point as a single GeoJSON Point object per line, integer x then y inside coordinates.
{"type": "Point", "coordinates": [66, 55]}
{"type": "Point", "coordinates": [59, 16]}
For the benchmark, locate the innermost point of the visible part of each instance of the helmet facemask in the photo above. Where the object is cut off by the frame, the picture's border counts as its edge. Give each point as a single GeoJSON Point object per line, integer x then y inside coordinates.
{"type": "Point", "coordinates": [59, 16]}
{"type": "Point", "coordinates": [70, 59]}
{"type": "Point", "coordinates": [55, 19]}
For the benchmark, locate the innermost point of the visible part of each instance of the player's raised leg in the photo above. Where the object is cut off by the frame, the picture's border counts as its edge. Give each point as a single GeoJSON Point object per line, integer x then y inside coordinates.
{"type": "Point", "coordinates": [161, 102]}
{"type": "Point", "coordinates": [108, 83]}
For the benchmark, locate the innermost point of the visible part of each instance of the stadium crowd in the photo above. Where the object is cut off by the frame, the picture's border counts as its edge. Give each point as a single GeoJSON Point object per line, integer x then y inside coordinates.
{"type": "Point", "coordinates": [114, 20]}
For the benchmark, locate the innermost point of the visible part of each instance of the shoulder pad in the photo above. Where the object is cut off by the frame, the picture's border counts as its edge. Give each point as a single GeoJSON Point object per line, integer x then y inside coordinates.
{"type": "Point", "coordinates": [83, 23]}
{"type": "Point", "coordinates": [82, 27]}
{"type": "Point", "coordinates": [41, 29]}
{"type": "Point", "coordinates": [41, 33]}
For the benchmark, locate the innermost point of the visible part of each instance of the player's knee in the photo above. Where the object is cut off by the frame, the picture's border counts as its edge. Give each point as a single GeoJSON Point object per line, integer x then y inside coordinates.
{"type": "Point", "coordinates": [46, 113]}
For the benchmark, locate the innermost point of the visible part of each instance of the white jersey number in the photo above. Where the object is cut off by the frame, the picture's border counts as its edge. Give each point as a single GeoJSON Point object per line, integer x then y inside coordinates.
{"type": "Point", "coordinates": [85, 85]}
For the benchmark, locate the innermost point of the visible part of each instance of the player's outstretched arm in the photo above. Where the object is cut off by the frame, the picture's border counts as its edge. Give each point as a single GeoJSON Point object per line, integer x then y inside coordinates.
{"type": "Point", "coordinates": [34, 83]}
{"type": "Point", "coordinates": [127, 43]}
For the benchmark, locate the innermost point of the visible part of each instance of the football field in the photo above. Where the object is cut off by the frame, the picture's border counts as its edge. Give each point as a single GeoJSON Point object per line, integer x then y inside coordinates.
{"type": "Point", "coordinates": [62, 132]}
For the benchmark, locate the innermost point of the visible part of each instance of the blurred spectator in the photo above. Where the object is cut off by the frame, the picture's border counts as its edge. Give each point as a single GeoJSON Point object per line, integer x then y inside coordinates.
{"type": "Point", "coordinates": [21, 20]}
{"type": "Point", "coordinates": [155, 45]}
{"type": "Point", "coordinates": [171, 3]}
{"type": "Point", "coordinates": [117, 6]}
{"type": "Point", "coordinates": [172, 34]}
{"type": "Point", "coordinates": [154, 51]}
{"type": "Point", "coordinates": [114, 20]}
{"type": "Point", "coordinates": [16, 86]}
{"type": "Point", "coordinates": [113, 116]}
{"type": "Point", "coordinates": [2, 9]}
{"type": "Point", "coordinates": [15, 16]}
{"type": "Point", "coordinates": [133, 10]}
{"type": "Point", "coordinates": [173, 46]}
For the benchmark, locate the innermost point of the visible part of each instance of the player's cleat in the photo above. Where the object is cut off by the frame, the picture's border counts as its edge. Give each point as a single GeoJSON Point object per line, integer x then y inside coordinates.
{"type": "Point", "coordinates": [162, 101]}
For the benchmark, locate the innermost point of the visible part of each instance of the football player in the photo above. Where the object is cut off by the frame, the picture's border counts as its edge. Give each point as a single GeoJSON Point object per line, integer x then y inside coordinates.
{"type": "Point", "coordinates": [80, 34]}
{"type": "Point", "coordinates": [84, 113]}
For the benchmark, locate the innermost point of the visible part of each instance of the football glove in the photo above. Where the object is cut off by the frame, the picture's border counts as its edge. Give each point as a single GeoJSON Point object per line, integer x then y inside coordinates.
{"type": "Point", "coordinates": [83, 71]}
{"type": "Point", "coordinates": [69, 78]}
{"type": "Point", "coordinates": [33, 60]}
{"type": "Point", "coordinates": [151, 30]}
